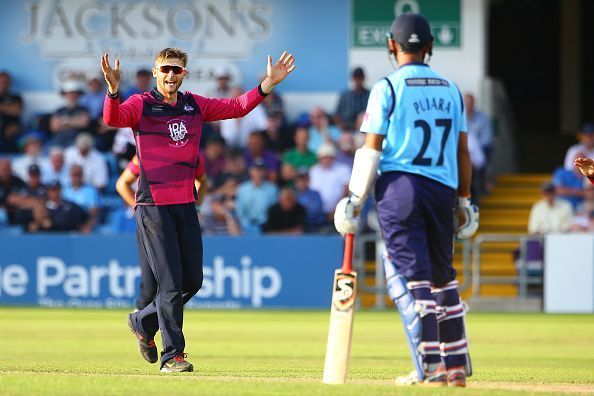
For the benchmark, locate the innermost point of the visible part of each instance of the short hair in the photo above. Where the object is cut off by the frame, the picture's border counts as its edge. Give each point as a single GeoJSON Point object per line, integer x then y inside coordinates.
{"type": "Point", "coordinates": [144, 73]}
{"type": "Point", "coordinates": [168, 53]}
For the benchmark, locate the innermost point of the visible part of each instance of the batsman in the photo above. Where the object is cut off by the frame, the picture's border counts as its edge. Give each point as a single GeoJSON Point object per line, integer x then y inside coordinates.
{"type": "Point", "coordinates": [416, 153]}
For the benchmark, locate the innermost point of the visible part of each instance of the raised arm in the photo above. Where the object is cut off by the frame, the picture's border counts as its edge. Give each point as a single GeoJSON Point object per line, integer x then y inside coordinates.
{"type": "Point", "coordinates": [116, 115]}
{"type": "Point", "coordinates": [221, 109]}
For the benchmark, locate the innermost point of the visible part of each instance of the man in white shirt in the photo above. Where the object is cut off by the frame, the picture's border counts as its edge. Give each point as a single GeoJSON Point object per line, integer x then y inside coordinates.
{"type": "Point", "coordinates": [329, 178]}
{"type": "Point", "coordinates": [237, 130]}
{"type": "Point", "coordinates": [92, 161]}
{"type": "Point", "coordinates": [550, 214]}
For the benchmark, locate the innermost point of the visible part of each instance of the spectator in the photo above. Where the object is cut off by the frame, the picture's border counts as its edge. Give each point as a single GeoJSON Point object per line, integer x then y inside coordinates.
{"type": "Point", "coordinates": [320, 130]}
{"type": "Point", "coordinates": [11, 108]}
{"type": "Point", "coordinates": [94, 97]}
{"type": "Point", "coordinates": [298, 158]}
{"type": "Point", "coordinates": [315, 218]}
{"type": "Point", "coordinates": [346, 149]}
{"type": "Point", "coordinates": [68, 121]}
{"type": "Point", "coordinates": [237, 130]}
{"type": "Point", "coordinates": [352, 102]}
{"type": "Point", "coordinates": [278, 136]}
{"type": "Point", "coordinates": [222, 88]}
{"type": "Point", "coordinates": [54, 169]}
{"type": "Point", "coordinates": [329, 178]}
{"type": "Point", "coordinates": [550, 214]}
{"type": "Point", "coordinates": [583, 221]}
{"type": "Point", "coordinates": [28, 203]}
{"type": "Point", "coordinates": [215, 158]}
{"type": "Point", "coordinates": [479, 126]}
{"type": "Point", "coordinates": [92, 161]}
{"type": "Point", "coordinates": [477, 158]}
{"type": "Point", "coordinates": [254, 197]}
{"type": "Point", "coordinates": [124, 147]}
{"type": "Point", "coordinates": [105, 136]}
{"type": "Point", "coordinates": [585, 146]}
{"type": "Point", "coordinates": [64, 215]}
{"type": "Point", "coordinates": [144, 79]}
{"type": "Point", "coordinates": [234, 169]}
{"type": "Point", "coordinates": [256, 150]}
{"type": "Point", "coordinates": [32, 154]}
{"type": "Point", "coordinates": [8, 181]}
{"type": "Point", "coordinates": [287, 216]}
{"type": "Point", "coordinates": [570, 184]}
{"type": "Point", "coordinates": [83, 195]}
{"type": "Point", "coordinates": [220, 218]}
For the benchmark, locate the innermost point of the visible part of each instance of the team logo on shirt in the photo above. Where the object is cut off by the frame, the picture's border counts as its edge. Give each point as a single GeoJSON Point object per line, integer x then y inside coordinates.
{"type": "Point", "coordinates": [178, 132]}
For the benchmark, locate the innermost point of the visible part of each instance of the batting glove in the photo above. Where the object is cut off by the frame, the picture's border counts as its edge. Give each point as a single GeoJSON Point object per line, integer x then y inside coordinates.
{"type": "Point", "coordinates": [467, 219]}
{"type": "Point", "coordinates": [346, 216]}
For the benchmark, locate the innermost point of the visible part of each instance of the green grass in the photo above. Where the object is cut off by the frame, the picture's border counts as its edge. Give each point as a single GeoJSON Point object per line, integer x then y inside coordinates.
{"type": "Point", "coordinates": [92, 352]}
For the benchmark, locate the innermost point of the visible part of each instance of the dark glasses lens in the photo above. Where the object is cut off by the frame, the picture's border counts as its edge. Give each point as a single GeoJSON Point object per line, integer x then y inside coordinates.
{"type": "Point", "coordinates": [168, 68]}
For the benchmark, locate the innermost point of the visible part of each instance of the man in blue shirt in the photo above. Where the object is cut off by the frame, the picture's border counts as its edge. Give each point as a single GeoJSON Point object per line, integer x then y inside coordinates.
{"type": "Point", "coordinates": [254, 197]}
{"type": "Point", "coordinates": [415, 124]}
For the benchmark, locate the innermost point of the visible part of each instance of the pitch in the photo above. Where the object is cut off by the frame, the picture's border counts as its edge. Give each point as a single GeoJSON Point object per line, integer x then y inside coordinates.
{"type": "Point", "coordinates": [91, 352]}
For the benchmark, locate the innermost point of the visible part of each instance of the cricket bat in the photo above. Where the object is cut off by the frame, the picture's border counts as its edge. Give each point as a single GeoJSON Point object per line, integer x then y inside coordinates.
{"type": "Point", "coordinates": [342, 312]}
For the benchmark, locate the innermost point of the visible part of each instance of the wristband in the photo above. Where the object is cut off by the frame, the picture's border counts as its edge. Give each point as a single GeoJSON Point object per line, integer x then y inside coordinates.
{"type": "Point", "coordinates": [262, 93]}
{"type": "Point", "coordinates": [113, 96]}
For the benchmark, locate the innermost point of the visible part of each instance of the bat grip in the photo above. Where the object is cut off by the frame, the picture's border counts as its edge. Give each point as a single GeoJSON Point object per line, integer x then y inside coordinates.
{"type": "Point", "coordinates": [347, 260]}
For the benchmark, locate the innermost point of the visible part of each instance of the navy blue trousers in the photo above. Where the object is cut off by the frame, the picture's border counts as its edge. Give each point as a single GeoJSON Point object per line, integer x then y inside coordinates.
{"type": "Point", "coordinates": [148, 283]}
{"type": "Point", "coordinates": [416, 216]}
{"type": "Point", "coordinates": [172, 241]}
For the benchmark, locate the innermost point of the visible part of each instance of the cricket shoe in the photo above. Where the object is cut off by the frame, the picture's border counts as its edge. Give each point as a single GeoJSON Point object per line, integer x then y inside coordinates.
{"type": "Point", "coordinates": [146, 346]}
{"type": "Point", "coordinates": [438, 377]}
{"type": "Point", "coordinates": [457, 376]}
{"type": "Point", "coordinates": [177, 364]}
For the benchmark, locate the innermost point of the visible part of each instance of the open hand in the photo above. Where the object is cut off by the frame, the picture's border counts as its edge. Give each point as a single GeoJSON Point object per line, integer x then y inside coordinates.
{"type": "Point", "coordinates": [112, 76]}
{"type": "Point", "coordinates": [278, 72]}
{"type": "Point", "coordinates": [585, 165]}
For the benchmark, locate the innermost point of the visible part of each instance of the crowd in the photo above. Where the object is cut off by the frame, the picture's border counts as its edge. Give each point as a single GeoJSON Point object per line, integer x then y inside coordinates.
{"type": "Point", "coordinates": [263, 173]}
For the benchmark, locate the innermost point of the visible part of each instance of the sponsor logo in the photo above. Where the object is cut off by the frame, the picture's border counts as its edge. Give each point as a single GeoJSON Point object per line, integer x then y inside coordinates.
{"type": "Point", "coordinates": [177, 132]}
{"type": "Point", "coordinates": [414, 38]}
{"type": "Point", "coordinates": [157, 109]}
{"type": "Point", "coordinates": [188, 108]}
{"type": "Point", "coordinates": [343, 297]}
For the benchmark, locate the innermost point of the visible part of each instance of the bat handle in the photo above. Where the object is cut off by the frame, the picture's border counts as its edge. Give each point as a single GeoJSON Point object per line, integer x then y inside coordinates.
{"type": "Point", "coordinates": [347, 261]}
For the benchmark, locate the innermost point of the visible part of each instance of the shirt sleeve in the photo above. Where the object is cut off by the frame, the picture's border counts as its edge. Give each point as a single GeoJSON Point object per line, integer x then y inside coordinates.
{"type": "Point", "coordinates": [200, 166]}
{"type": "Point", "coordinates": [462, 121]}
{"type": "Point", "coordinates": [133, 166]}
{"type": "Point", "coordinates": [122, 115]}
{"type": "Point", "coordinates": [215, 109]}
{"type": "Point", "coordinates": [375, 119]}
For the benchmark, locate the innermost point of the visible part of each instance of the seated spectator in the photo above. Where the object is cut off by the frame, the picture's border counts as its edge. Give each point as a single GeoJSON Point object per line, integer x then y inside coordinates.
{"type": "Point", "coordinates": [54, 169]}
{"type": "Point", "coordinates": [352, 102]}
{"type": "Point", "coordinates": [90, 160]}
{"type": "Point", "coordinates": [85, 196]}
{"type": "Point", "coordinates": [220, 217]}
{"type": "Point", "coordinates": [320, 130]}
{"type": "Point", "coordinates": [237, 130]}
{"type": "Point", "coordinates": [315, 218]}
{"type": "Point", "coordinates": [144, 80]}
{"type": "Point", "coordinates": [254, 197]}
{"type": "Point", "coordinates": [124, 147]}
{"type": "Point", "coordinates": [11, 108]}
{"type": "Point", "coordinates": [222, 89]}
{"type": "Point", "coordinates": [68, 121]}
{"type": "Point", "coordinates": [32, 154]}
{"type": "Point", "coordinates": [234, 168]}
{"type": "Point", "coordinates": [298, 158]}
{"type": "Point", "coordinates": [215, 158]}
{"type": "Point", "coordinates": [9, 183]}
{"type": "Point", "coordinates": [278, 136]}
{"type": "Point", "coordinates": [329, 178]}
{"type": "Point", "coordinates": [94, 97]}
{"type": "Point", "coordinates": [569, 185]}
{"type": "Point", "coordinates": [585, 147]}
{"type": "Point", "coordinates": [550, 214]}
{"type": "Point", "coordinates": [346, 149]}
{"type": "Point", "coordinates": [287, 216]}
{"type": "Point", "coordinates": [64, 215]}
{"type": "Point", "coordinates": [256, 150]}
{"type": "Point", "coordinates": [28, 203]}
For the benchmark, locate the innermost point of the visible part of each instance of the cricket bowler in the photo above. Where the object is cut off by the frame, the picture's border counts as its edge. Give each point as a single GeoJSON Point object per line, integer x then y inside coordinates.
{"type": "Point", "coordinates": [415, 126]}
{"type": "Point", "coordinates": [167, 125]}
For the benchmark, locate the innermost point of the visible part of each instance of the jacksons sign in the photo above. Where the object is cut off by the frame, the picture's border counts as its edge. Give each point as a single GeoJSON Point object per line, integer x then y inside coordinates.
{"type": "Point", "coordinates": [102, 272]}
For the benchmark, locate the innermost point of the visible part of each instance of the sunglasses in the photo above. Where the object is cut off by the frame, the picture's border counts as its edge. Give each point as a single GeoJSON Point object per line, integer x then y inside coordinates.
{"type": "Point", "coordinates": [168, 68]}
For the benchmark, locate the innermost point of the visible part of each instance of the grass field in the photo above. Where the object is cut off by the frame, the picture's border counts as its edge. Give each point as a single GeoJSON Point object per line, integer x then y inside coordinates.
{"type": "Point", "coordinates": [91, 352]}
